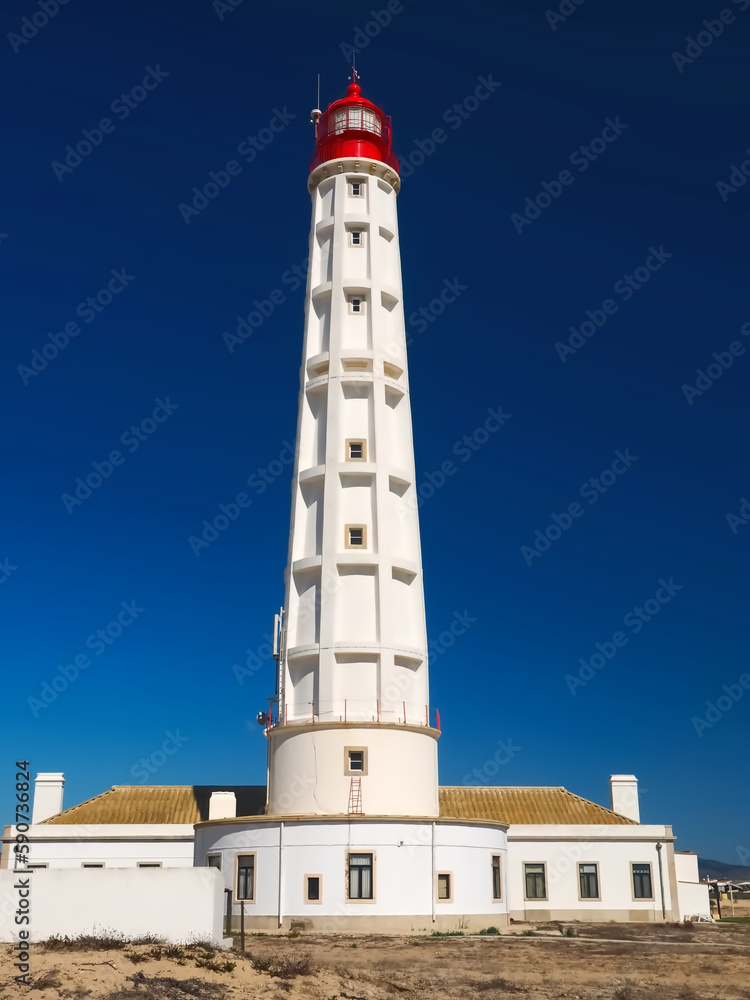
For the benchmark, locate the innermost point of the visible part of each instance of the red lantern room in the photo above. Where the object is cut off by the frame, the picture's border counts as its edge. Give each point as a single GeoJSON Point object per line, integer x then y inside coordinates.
{"type": "Point", "coordinates": [353, 126]}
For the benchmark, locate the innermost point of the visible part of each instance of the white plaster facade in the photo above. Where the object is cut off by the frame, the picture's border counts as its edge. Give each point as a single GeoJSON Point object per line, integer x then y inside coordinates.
{"type": "Point", "coordinates": [177, 906]}
{"type": "Point", "coordinates": [408, 857]}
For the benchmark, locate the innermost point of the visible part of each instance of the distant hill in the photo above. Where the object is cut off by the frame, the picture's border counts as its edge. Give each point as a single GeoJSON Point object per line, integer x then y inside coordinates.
{"type": "Point", "coordinates": [718, 869]}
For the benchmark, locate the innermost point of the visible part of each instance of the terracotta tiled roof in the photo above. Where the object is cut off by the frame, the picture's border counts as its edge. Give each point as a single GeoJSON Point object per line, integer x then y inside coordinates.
{"type": "Point", "coordinates": [189, 804]}
{"type": "Point", "coordinates": [524, 806]}
{"type": "Point", "coordinates": [159, 804]}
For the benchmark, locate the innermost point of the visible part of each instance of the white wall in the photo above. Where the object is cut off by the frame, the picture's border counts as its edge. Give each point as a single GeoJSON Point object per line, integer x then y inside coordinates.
{"type": "Point", "coordinates": [613, 848]}
{"type": "Point", "coordinates": [178, 906]}
{"type": "Point", "coordinates": [117, 845]}
{"type": "Point", "coordinates": [404, 885]}
{"type": "Point", "coordinates": [693, 899]}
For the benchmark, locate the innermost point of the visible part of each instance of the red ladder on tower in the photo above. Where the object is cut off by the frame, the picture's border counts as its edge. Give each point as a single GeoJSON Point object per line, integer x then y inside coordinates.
{"type": "Point", "coordinates": [355, 797]}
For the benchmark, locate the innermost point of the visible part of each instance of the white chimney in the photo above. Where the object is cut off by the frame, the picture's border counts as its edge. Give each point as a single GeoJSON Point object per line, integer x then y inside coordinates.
{"type": "Point", "coordinates": [222, 805]}
{"type": "Point", "coordinates": [623, 792]}
{"type": "Point", "coordinates": [48, 795]}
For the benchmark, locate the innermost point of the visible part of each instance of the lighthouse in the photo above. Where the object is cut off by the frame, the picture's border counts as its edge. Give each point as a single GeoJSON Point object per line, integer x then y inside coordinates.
{"type": "Point", "coordinates": [353, 672]}
{"type": "Point", "coordinates": [355, 833]}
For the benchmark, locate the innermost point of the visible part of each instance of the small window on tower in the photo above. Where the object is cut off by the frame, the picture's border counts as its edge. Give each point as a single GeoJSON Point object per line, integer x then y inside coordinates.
{"type": "Point", "coordinates": [356, 304]}
{"type": "Point", "coordinates": [356, 189]}
{"type": "Point", "coordinates": [356, 536]}
{"type": "Point", "coordinates": [444, 887]}
{"type": "Point", "coordinates": [356, 238]}
{"type": "Point", "coordinates": [356, 451]}
{"type": "Point", "coordinates": [312, 888]}
{"type": "Point", "coordinates": [355, 761]}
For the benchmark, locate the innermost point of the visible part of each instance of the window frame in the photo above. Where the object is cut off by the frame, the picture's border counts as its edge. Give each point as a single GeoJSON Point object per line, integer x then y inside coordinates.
{"type": "Point", "coordinates": [348, 770]}
{"type": "Point", "coordinates": [360, 899]}
{"type": "Point", "coordinates": [351, 185]}
{"type": "Point", "coordinates": [36, 865]}
{"type": "Point", "coordinates": [360, 299]}
{"type": "Point", "coordinates": [348, 544]}
{"type": "Point", "coordinates": [535, 864]}
{"type": "Point", "coordinates": [499, 869]}
{"type": "Point", "coordinates": [92, 864]}
{"type": "Point", "coordinates": [356, 232]}
{"type": "Point", "coordinates": [348, 444]}
{"type": "Point", "coordinates": [148, 864]}
{"type": "Point", "coordinates": [319, 900]}
{"type": "Point", "coordinates": [449, 877]}
{"type": "Point", "coordinates": [236, 883]}
{"type": "Point", "coordinates": [642, 864]}
{"type": "Point", "coordinates": [595, 866]}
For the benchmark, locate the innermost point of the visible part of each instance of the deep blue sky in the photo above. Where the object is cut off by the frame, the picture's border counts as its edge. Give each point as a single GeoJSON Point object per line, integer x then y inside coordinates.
{"type": "Point", "coordinates": [664, 517]}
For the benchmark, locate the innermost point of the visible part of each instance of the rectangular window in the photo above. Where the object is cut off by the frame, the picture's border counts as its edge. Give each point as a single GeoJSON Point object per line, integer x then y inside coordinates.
{"type": "Point", "coordinates": [536, 882]}
{"type": "Point", "coordinates": [39, 865]}
{"type": "Point", "coordinates": [444, 887]}
{"type": "Point", "coordinates": [149, 864]}
{"type": "Point", "coordinates": [92, 864]}
{"type": "Point", "coordinates": [356, 451]}
{"type": "Point", "coordinates": [356, 238]}
{"type": "Point", "coordinates": [355, 761]}
{"type": "Point", "coordinates": [356, 304]}
{"type": "Point", "coordinates": [642, 888]}
{"type": "Point", "coordinates": [497, 885]}
{"type": "Point", "coordinates": [214, 861]}
{"type": "Point", "coordinates": [356, 189]}
{"type": "Point", "coordinates": [360, 876]}
{"type": "Point", "coordinates": [588, 880]}
{"type": "Point", "coordinates": [312, 888]}
{"type": "Point", "coordinates": [245, 876]}
{"type": "Point", "coordinates": [356, 536]}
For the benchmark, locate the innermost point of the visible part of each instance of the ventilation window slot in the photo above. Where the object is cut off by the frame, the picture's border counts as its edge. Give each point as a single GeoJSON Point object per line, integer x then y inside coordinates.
{"type": "Point", "coordinates": [356, 364]}
{"type": "Point", "coordinates": [392, 371]}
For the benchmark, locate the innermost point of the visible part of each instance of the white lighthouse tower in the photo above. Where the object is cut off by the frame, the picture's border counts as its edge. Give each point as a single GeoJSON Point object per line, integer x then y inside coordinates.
{"type": "Point", "coordinates": [353, 688]}
{"type": "Point", "coordinates": [354, 835]}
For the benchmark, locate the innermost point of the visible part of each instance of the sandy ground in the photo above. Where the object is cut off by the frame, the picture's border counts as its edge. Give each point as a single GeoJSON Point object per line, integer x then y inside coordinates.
{"type": "Point", "coordinates": [603, 962]}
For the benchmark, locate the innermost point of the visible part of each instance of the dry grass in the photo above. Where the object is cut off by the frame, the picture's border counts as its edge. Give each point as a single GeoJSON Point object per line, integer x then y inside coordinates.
{"type": "Point", "coordinates": [602, 962]}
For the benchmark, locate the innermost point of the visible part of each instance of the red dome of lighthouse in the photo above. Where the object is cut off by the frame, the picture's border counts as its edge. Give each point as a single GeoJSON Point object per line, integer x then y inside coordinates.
{"type": "Point", "coordinates": [353, 126]}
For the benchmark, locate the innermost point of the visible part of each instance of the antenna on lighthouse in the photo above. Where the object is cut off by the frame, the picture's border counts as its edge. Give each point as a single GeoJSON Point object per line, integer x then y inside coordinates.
{"type": "Point", "coordinates": [316, 112]}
